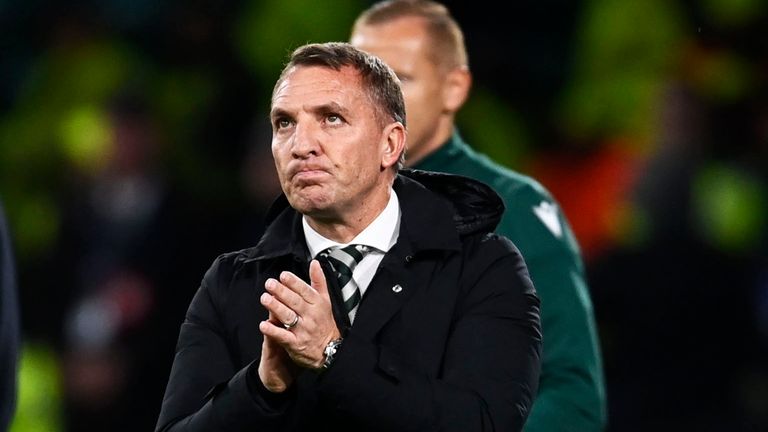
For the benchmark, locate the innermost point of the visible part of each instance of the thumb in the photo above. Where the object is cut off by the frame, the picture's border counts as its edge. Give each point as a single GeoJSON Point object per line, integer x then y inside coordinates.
{"type": "Point", "coordinates": [317, 277]}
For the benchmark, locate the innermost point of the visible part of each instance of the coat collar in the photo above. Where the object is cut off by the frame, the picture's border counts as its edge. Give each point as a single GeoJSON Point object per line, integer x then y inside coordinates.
{"type": "Point", "coordinates": [428, 222]}
{"type": "Point", "coordinates": [283, 222]}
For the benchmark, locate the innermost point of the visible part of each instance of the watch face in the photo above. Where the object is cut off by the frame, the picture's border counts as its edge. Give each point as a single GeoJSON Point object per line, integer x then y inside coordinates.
{"type": "Point", "coordinates": [330, 352]}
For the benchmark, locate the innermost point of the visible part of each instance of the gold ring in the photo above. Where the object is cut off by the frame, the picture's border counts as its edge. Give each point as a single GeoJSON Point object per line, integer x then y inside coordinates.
{"type": "Point", "coordinates": [293, 323]}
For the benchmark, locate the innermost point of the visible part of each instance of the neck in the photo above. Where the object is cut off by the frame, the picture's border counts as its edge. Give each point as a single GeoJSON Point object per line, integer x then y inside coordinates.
{"type": "Point", "coordinates": [442, 133]}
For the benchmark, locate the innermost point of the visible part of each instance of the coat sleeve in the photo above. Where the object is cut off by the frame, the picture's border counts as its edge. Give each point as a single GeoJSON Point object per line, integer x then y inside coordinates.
{"type": "Point", "coordinates": [202, 366]}
{"type": "Point", "coordinates": [491, 365]}
{"type": "Point", "coordinates": [571, 390]}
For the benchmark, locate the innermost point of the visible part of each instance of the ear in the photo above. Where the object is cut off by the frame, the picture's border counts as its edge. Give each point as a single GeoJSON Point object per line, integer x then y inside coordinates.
{"type": "Point", "coordinates": [458, 82]}
{"type": "Point", "coordinates": [392, 144]}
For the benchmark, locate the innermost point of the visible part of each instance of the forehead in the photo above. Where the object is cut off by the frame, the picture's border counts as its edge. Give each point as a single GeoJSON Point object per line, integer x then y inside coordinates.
{"type": "Point", "coordinates": [401, 40]}
{"type": "Point", "coordinates": [312, 85]}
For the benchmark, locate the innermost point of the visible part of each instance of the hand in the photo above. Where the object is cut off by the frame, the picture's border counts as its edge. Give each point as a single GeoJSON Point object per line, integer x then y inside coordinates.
{"type": "Point", "coordinates": [276, 370]}
{"type": "Point", "coordinates": [290, 297]}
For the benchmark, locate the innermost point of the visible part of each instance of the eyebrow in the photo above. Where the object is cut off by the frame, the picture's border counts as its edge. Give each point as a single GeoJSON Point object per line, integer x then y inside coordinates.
{"type": "Point", "coordinates": [277, 113]}
{"type": "Point", "coordinates": [331, 107]}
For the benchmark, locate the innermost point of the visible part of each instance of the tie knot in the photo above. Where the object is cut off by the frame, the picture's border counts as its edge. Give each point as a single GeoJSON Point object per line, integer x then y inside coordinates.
{"type": "Point", "coordinates": [350, 255]}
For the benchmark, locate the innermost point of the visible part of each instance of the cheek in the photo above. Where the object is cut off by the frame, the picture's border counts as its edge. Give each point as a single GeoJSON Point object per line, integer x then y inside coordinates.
{"type": "Point", "coordinates": [370, 165]}
{"type": "Point", "coordinates": [411, 99]}
{"type": "Point", "coordinates": [278, 162]}
{"type": "Point", "coordinates": [419, 101]}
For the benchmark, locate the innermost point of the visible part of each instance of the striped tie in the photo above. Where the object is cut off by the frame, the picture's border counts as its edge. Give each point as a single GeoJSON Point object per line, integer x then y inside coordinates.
{"type": "Point", "coordinates": [343, 262]}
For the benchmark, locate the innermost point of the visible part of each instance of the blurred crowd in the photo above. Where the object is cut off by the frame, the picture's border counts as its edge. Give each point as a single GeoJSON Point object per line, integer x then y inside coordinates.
{"type": "Point", "coordinates": [134, 148]}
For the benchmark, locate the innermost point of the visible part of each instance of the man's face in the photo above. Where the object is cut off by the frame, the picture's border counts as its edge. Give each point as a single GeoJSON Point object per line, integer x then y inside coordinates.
{"type": "Point", "coordinates": [404, 45]}
{"type": "Point", "coordinates": [328, 147]}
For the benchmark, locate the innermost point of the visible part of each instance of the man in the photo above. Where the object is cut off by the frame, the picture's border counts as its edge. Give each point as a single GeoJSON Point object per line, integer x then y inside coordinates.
{"type": "Point", "coordinates": [9, 327]}
{"type": "Point", "coordinates": [424, 45]}
{"type": "Point", "coordinates": [425, 320]}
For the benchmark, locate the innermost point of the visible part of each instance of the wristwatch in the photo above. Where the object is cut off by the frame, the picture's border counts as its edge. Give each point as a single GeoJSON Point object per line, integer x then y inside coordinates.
{"type": "Point", "coordinates": [330, 352]}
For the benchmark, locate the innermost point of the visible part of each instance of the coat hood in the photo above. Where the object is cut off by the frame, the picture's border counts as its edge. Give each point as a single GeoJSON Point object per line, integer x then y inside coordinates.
{"type": "Point", "coordinates": [438, 208]}
{"type": "Point", "coordinates": [477, 207]}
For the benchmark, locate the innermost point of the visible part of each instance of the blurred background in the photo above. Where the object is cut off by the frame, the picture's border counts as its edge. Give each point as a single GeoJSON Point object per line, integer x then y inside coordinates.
{"type": "Point", "coordinates": [134, 148]}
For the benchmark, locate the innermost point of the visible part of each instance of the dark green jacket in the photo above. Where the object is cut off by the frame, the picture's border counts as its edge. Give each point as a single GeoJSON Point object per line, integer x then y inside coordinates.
{"type": "Point", "coordinates": [571, 388]}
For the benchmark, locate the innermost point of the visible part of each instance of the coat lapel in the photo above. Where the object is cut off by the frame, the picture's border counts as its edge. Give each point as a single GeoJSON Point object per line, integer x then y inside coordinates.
{"type": "Point", "coordinates": [395, 282]}
{"type": "Point", "coordinates": [401, 272]}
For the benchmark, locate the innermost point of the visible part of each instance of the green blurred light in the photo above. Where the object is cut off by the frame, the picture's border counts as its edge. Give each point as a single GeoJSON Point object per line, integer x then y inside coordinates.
{"type": "Point", "coordinates": [39, 403]}
{"type": "Point", "coordinates": [625, 50]}
{"type": "Point", "coordinates": [85, 137]}
{"type": "Point", "coordinates": [268, 30]}
{"type": "Point", "coordinates": [492, 127]}
{"type": "Point", "coordinates": [731, 207]}
{"type": "Point", "coordinates": [36, 224]}
{"type": "Point", "coordinates": [89, 73]}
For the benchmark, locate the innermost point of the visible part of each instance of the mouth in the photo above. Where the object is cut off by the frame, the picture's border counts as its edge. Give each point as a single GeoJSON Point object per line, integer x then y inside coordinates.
{"type": "Point", "coordinates": [309, 174]}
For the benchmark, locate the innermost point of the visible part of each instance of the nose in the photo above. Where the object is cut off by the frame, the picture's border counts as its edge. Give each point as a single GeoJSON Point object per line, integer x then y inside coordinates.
{"type": "Point", "coordinates": [305, 141]}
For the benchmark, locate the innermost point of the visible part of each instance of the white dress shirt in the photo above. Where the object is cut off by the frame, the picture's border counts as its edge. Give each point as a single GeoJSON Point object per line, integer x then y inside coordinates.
{"type": "Point", "coordinates": [380, 235]}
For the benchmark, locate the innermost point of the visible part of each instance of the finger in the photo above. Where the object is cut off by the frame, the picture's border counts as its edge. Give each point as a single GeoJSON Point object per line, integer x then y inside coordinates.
{"type": "Point", "coordinates": [297, 285]}
{"type": "Point", "coordinates": [273, 318]}
{"type": "Point", "coordinates": [279, 314]}
{"type": "Point", "coordinates": [317, 277]}
{"type": "Point", "coordinates": [285, 294]}
{"type": "Point", "coordinates": [280, 335]}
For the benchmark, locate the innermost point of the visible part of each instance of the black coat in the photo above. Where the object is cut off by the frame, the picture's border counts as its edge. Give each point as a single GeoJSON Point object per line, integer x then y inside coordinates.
{"type": "Point", "coordinates": [457, 349]}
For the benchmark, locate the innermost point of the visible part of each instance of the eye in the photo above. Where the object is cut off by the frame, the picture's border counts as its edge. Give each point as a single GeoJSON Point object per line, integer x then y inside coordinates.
{"type": "Point", "coordinates": [334, 119]}
{"type": "Point", "coordinates": [282, 123]}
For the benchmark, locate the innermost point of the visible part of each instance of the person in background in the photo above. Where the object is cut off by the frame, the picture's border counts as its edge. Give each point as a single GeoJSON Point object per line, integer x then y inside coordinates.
{"type": "Point", "coordinates": [376, 300]}
{"type": "Point", "coordinates": [9, 326]}
{"type": "Point", "coordinates": [130, 233]}
{"type": "Point", "coordinates": [424, 45]}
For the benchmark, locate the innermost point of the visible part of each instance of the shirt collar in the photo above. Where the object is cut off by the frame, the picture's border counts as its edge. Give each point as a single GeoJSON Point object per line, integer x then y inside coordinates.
{"type": "Point", "coordinates": [381, 234]}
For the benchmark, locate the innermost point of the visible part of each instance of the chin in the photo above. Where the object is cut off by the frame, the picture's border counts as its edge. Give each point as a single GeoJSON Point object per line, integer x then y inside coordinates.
{"type": "Point", "coordinates": [315, 206]}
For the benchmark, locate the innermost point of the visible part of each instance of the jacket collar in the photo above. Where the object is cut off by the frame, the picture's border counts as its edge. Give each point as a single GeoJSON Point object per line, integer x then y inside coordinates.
{"type": "Point", "coordinates": [436, 210]}
{"type": "Point", "coordinates": [427, 219]}
{"type": "Point", "coordinates": [283, 222]}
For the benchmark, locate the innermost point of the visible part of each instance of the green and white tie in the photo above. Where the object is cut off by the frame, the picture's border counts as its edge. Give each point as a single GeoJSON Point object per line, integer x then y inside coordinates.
{"type": "Point", "coordinates": [343, 262]}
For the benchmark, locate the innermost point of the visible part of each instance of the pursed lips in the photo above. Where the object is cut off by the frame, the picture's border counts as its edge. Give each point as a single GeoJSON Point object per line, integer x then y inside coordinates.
{"type": "Point", "coordinates": [308, 172]}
